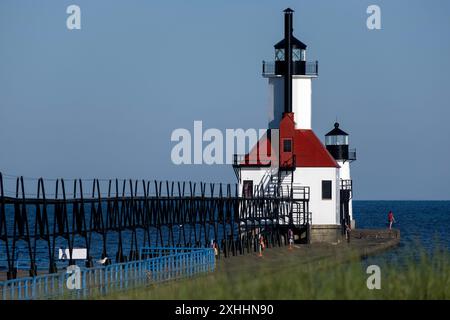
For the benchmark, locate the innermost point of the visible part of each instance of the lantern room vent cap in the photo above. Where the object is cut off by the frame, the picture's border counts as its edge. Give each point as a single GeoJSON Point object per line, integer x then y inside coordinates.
{"type": "Point", "coordinates": [336, 131]}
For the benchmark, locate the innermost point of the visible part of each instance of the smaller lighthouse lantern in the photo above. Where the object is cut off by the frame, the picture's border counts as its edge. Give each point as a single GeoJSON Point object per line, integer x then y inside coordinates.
{"type": "Point", "coordinates": [336, 142]}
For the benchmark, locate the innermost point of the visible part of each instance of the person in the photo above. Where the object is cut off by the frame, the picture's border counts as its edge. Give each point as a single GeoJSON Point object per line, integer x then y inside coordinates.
{"type": "Point", "coordinates": [348, 229]}
{"type": "Point", "coordinates": [216, 250]}
{"type": "Point", "coordinates": [291, 238]}
{"type": "Point", "coordinates": [391, 219]}
{"type": "Point", "coordinates": [261, 244]}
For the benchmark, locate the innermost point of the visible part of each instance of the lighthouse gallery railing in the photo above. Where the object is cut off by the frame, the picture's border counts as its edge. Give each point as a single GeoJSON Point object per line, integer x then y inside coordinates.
{"type": "Point", "coordinates": [311, 68]}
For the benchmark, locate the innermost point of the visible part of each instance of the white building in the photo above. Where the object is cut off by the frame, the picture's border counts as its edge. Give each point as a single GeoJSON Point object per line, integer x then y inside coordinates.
{"type": "Point", "coordinates": [297, 164]}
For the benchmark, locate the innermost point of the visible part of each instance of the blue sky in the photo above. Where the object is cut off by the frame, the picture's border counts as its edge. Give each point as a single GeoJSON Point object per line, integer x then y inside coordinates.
{"type": "Point", "coordinates": [103, 101]}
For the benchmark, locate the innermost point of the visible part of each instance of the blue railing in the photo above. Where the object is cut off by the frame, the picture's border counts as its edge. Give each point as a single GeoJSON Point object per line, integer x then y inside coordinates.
{"type": "Point", "coordinates": [158, 264]}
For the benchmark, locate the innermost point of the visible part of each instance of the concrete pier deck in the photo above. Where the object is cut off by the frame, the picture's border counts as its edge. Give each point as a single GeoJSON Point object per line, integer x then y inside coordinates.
{"type": "Point", "coordinates": [363, 243]}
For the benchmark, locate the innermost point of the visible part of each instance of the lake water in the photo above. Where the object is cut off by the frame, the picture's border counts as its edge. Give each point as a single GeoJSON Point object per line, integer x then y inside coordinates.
{"type": "Point", "coordinates": [422, 224]}
{"type": "Point", "coordinates": [426, 223]}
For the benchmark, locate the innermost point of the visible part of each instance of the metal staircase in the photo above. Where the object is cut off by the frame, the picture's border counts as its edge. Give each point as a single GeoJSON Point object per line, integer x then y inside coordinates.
{"type": "Point", "coordinates": [281, 184]}
{"type": "Point", "coordinates": [293, 208]}
{"type": "Point", "coordinates": [285, 183]}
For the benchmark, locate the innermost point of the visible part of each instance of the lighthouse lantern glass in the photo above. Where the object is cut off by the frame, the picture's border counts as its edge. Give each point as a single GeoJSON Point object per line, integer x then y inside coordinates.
{"type": "Point", "coordinates": [279, 54]}
{"type": "Point", "coordinates": [296, 55]}
{"type": "Point", "coordinates": [336, 140]}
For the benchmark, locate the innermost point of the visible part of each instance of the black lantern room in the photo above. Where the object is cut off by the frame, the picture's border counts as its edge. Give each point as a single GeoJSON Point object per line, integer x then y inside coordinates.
{"type": "Point", "coordinates": [336, 142]}
{"type": "Point", "coordinates": [298, 57]}
{"type": "Point", "coordinates": [298, 50]}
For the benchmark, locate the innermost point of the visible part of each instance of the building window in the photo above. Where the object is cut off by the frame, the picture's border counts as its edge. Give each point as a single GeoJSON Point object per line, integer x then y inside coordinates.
{"type": "Point", "coordinates": [247, 189]}
{"type": "Point", "coordinates": [326, 189]}
{"type": "Point", "coordinates": [287, 145]}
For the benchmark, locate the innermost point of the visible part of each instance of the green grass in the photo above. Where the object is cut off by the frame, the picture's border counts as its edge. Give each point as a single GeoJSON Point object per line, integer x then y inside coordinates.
{"type": "Point", "coordinates": [423, 276]}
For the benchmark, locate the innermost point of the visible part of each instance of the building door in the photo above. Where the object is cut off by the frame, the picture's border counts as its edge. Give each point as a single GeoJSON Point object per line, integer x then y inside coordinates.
{"type": "Point", "coordinates": [247, 191]}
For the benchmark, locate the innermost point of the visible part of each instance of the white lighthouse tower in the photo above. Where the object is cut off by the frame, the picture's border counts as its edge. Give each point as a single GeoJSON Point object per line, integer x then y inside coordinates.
{"type": "Point", "coordinates": [302, 73]}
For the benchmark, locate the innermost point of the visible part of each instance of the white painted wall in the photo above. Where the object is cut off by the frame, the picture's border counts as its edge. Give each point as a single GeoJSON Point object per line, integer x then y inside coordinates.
{"type": "Point", "coordinates": [276, 101]}
{"type": "Point", "coordinates": [323, 211]}
{"type": "Point", "coordinates": [344, 171]}
{"type": "Point", "coordinates": [257, 175]}
{"type": "Point", "coordinates": [301, 101]}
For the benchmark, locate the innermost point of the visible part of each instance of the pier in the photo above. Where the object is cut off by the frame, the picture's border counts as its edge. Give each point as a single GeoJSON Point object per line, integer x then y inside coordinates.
{"type": "Point", "coordinates": [132, 214]}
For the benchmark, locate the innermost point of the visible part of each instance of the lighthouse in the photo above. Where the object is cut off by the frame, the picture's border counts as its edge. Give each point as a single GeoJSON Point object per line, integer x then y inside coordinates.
{"type": "Point", "coordinates": [315, 177]}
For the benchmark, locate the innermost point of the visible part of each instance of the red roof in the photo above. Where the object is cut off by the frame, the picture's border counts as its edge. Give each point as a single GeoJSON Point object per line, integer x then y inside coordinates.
{"type": "Point", "coordinates": [260, 155]}
{"type": "Point", "coordinates": [308, 149]}
{"type": "Point", "coordinates": [310, 152]}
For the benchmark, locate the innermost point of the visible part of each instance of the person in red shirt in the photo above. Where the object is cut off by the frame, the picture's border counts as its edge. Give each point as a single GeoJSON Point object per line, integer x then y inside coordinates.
{"type": "Point", "coordinates": [391, 219]}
